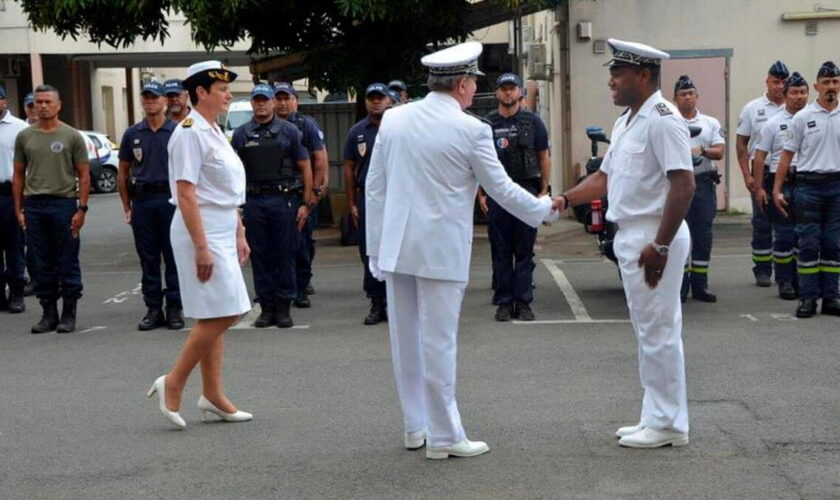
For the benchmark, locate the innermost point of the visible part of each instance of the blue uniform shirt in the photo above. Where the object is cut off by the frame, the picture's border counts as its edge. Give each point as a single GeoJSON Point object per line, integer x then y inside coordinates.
{"type": "Point", "coordinates": [311, 136]}
{"type": "Point", "coordinates": [359, 147]}
{"type": "Point", "coordinates": [287, 135]}
{"type": "Point", "coordinates": [509, 127]}
{"type": "Point", "coordinates": [146, 151]}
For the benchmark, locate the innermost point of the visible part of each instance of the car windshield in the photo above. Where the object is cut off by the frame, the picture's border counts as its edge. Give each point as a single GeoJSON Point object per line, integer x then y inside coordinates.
{"type": "Point", "coordinates": [237, 118]}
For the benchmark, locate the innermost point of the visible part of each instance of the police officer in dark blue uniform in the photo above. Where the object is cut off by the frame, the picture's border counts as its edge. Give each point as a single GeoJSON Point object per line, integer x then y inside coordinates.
{"type": "Point", "coordinates": [143, 182]}
{"type": "Point", "coordinates": [358, 148]}
{"type": "Point", "coordinates": [279, 181]}
{"type": "Point", "coordinates": [177, 100]}
{"type": "Point", "coordinates": [313, 140]}
{"type": "Point", "coordinates": [522, 145]}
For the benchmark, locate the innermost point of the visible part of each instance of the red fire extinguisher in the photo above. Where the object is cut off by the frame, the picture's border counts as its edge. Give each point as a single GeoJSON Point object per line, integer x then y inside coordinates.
{"type": "Point", "coordinates": [597, 210]}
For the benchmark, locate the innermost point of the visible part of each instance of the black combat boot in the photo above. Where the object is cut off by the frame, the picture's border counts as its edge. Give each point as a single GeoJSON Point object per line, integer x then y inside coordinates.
{"type": "Point", "coordinates": [504, 312]}
{"type": "Point", "coordinates": [4, 302]}
{"type": "Point", "coordinates": [523, 311]}
{"type": "Point", "coordinates": [152, 320]}
{"type": "Point", "coordinates": [787, 291]}
{"type": "Point", "coordinates": [377, 313]}
{"type": "Point", "coordinates": [267, 317]}
{"type": "Point", "coordinates": [284, 320]}
{"type": "Point", "coordinates": [829, 306]}
{"type": "Point", "coordinates": [303, 301]}
{"type": "Point", "coordinates": [807, 308]}
{"type": "Point", "coordinates": [49, 318]}
{"type": "Point", "coordinates": [174, 317]}
{"type": "Point", "coordinates": [704, 295]}
{"type": "Point", "coordinates": [16, 304]}
{"type": "Point", "coordinates": [68, 315]}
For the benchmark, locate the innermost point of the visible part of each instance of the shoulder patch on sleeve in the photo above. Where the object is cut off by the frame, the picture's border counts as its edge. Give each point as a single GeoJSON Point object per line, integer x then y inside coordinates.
{"type": "Point", "coordinates": [187, 123]}
{"type": "Point", "coordinates": [663, 109]}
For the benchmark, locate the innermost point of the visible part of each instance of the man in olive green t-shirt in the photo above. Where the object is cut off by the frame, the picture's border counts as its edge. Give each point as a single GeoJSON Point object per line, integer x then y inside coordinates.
{"type": "Point", "coordinates": [50, 160]}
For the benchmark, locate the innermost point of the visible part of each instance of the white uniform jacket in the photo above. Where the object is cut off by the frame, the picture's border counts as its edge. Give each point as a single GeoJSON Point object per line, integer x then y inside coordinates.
{"type": "Point", "coordinates": [428, 160]}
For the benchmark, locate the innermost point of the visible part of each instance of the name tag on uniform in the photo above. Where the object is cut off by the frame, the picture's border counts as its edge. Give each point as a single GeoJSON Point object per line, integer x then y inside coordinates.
{"type": "Point", "coordinates": [251, 144]}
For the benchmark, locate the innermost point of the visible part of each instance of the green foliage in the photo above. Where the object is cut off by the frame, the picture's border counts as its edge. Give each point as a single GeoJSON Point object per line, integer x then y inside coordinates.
{"type": "Point", "coordinates": [345, 41]}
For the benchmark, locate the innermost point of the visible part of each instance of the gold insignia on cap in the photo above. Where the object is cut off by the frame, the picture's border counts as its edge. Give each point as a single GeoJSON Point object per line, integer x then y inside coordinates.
{"type": "Point", "coordinates": [187, 123]}
{"type": "Point", "coordinates": [219, 75]}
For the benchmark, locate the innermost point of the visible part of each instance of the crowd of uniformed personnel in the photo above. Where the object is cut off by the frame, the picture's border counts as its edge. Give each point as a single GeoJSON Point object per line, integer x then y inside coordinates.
{"type": "Point", "coordinates": [787, 151]}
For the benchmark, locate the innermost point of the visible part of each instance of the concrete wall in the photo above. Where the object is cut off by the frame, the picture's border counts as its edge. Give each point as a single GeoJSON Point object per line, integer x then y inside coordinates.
{"type": "Point", "coordinates": [753, 29]}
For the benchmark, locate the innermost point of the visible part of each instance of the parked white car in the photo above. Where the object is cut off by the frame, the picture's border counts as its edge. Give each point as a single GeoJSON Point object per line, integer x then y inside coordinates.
{"type": "Point", "coordinates": [103, 162]}
{"type": "Point", "coordinates": [239, 112]}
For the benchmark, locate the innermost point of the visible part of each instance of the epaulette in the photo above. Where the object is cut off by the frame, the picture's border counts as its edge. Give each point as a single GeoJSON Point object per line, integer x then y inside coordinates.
{"type": "Point", "coordinates": [663, 109]}
{"type": "Point", "coordinates": [187, 123]}
{"type": "Point", "coordinates": [483, 119]}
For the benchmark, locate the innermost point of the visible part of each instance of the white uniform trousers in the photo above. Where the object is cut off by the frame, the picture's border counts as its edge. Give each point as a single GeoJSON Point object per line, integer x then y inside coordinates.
{"type": "Point", "coordinates": [423, 319]}
{"type": "Point", "coordinates": [656, 315]}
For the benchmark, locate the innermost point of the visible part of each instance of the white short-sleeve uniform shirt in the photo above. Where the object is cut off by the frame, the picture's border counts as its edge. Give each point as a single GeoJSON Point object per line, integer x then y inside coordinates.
{"type": "Point", "coordinates": [776, 132]}
{"type": "Point", "coordinates": [200, 154]}
{"type": "Point", "coordinates": [816, 138]}
{"type": "Point", "coordinates": [10, 126]}
{"type": "Point", "coordinates": [641, 154]}
{"type": "Point", "coordinates": [753, 117]}
{"type": "Point", "coordinates": [712, 135]}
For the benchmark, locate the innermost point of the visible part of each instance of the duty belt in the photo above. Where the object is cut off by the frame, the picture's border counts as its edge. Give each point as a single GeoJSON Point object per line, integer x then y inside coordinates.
{"type": "Point", "coordinates": [272, 189]}
{"type": "Point", "coordinates": [817, 177]}
{"type": "Point", "coordinates": [140, 189]}
{"type": "Point", "coordinates": [6, 188]}
{"type": "Point", "coordinates": [704, 169]}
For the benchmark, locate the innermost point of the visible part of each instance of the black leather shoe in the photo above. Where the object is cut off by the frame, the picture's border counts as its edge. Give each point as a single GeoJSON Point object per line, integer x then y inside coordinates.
{"type": "Point", "coordinates": [49, 318]}
{"type": "Point", "coordinates": [16, 304]}
{"type": "Point", "coordinates": [152, 320]}
{"type": "Point", "coordinates": [174, 318]}
{"type": "Point", "coordinates": [284, 319]}
{"type": "Point", "coordinates": [303, 302]}
{"type": "Point", "coordinates": [762, 280]}
{"type": "Point", "coordinates": [377, 313]}
{"type": "Point", "coordinates": [267, 317]}
{"type": "Point", "coordinates": [504, 312]}
{"type": "Point", "coordinates": [787, 291]}
{"type": "Point", "coordinates": [831, 307]}
{"type": "Point", "coordinates": [67, 323]}
{"type": "Point", "coordinates": [29, 289]}
{"type": "Point", "coordinates": [523, 311]}
{"type": "Point", "coordinates": [704, 296]}
{"type": "Point", "coordinates": [309, 290]}
{"type": "Point", "coordinates": [807, 308]}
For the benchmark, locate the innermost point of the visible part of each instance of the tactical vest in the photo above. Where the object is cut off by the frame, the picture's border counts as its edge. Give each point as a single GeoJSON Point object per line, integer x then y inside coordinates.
{"type": "Point", "coordinates": [266, 160]}
{"type": "Point", "coordinates": [515, 147]}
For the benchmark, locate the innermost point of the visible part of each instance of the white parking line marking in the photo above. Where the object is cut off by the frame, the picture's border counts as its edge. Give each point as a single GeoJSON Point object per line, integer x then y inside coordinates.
{"type": "Point", "coordinates": [578, 309]}
{"type": "Point", "coordinates": [569, 321]}
{"type": "Point", "coordinates": [749, 317]}
{"type": "Point", "coordinates": [93, 329]}
{"type": "Point", "coordinates": [783, 317]}
{"type": "Point", "coordinates": [121, 297]}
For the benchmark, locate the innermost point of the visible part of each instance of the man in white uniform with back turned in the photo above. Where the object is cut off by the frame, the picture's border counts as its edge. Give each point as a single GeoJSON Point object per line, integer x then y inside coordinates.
{"type": "Point", "coordinates": [428, 160]}
{"type": "Point", "coordinates": [648, 176]}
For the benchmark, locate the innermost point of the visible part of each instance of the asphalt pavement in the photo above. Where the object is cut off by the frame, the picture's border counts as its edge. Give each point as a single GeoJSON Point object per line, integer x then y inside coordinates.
{"type": "Point", "coordinates": [764, 391]}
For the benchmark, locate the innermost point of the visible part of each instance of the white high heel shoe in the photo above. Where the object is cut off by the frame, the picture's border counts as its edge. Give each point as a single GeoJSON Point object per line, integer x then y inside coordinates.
{"type": "Point", "coordinates": [207, 407]}
{"type": "Point", "coordinates": [172, 416]}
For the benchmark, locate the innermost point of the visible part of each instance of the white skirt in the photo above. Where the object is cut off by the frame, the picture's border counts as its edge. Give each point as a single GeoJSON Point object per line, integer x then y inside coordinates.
{"type": "Point", "coordinates": [224, 294]}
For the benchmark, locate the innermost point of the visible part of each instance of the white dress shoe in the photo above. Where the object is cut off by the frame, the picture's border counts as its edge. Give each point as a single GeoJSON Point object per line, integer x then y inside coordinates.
{"type": "Point", "coordinates": [415, 440]}
{"type": "Point", "coordinates": [172, 416]}
{"type": "Point", "coordinates": [630, 429]}
{"type": "Point", "coordinates": [463, 448]}
{"type": "Point", "coordinates": [653, 438]}
{"type": "Point", "coordinates": [207, 407]}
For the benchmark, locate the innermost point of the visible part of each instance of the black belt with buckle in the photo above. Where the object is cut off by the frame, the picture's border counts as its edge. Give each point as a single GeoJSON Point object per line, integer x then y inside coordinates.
{"type": "Point", "coordinates": [140, 189]}
{"type": "Point", "coordinates": [283, 189]}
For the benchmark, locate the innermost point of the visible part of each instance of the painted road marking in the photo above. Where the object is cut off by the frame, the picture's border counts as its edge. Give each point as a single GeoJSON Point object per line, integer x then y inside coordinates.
{"type": "Point", "coordinates": [578, 309]}
{"type": "Point", "coordinates": [123, 296]}
{"type": "Point", "coordinates": [93, 329]}
{"type": "Point", "coordinates": [749, 317]}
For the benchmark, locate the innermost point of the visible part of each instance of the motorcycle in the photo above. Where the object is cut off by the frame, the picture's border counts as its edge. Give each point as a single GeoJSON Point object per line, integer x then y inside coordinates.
{"type": "Point", "coordinates": [592, 215]}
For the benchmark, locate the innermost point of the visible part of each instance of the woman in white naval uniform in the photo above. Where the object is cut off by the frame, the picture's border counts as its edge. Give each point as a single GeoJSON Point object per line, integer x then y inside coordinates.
{"type": "Point", "coordinates": [649, 178]}
{"type": "Point", "coordinates": [207, 180]}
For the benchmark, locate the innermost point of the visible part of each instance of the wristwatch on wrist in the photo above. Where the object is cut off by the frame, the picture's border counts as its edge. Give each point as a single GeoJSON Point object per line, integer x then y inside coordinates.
{"type": "Point", "coordinates": [660, 249]}
{"type": "Point", "coordinates": [82, 208]}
